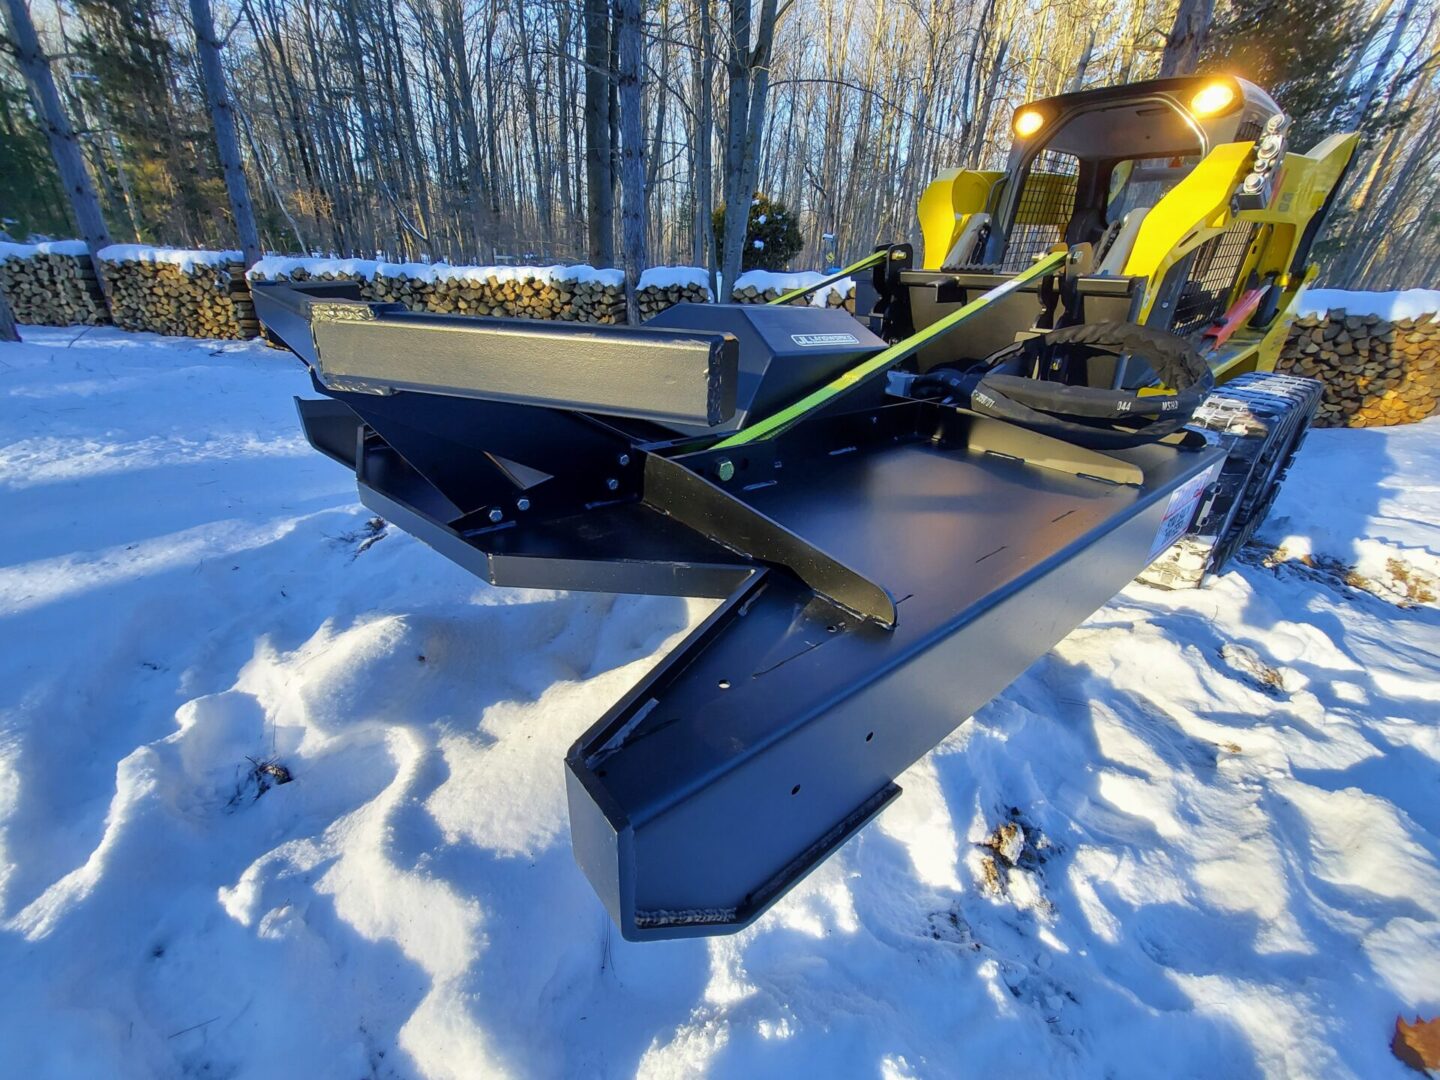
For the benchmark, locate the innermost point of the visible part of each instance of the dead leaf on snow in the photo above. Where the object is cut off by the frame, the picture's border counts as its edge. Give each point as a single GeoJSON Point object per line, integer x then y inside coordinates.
{"type": "Point", "coordinates": [1417, 1044]}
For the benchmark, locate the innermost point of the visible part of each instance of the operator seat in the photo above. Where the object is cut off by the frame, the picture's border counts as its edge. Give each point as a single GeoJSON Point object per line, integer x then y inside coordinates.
{"type": "Point", "coordinates": [1115, 246]}
{"type": "Point", "coordinates": [963, 252]}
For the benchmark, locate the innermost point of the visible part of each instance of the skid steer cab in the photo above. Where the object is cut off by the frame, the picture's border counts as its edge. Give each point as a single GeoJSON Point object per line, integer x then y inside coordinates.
{"type": "Point", "coordinates": [1187, 208]}
{"type": "Point", "coordinates": [899, 512]}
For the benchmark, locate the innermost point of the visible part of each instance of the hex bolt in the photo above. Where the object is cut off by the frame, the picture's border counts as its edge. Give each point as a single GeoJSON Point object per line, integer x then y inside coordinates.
{"type": "Point", "coordinates": [522, 504]}
{"type": "Point", "coordinates": [612, 483]}
{"type": "Point", "coordinates": [724, 469]}
{"type": "Point", "coordinates": [497, 515]}
{"type": "Point", "coordinates": [624, 459]}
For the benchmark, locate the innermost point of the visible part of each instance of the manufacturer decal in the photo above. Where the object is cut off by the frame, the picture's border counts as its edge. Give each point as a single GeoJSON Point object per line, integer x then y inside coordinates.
{"type": "Point", "coordinates": [813, 340]}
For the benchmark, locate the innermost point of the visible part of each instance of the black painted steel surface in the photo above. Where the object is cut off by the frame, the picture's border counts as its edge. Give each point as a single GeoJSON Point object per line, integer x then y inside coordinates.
{"type": "Point", "coordinates": [884, 570]}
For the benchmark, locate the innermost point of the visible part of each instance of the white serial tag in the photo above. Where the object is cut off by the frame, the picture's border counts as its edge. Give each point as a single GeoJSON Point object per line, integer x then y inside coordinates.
{"type": "Point", "coordinates": [1180, 511]}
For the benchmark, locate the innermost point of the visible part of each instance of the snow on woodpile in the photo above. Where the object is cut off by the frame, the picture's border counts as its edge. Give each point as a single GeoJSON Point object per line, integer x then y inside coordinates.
{"type": "Point", "coordinates": [179, 292]}
{"type": "Point", "coordinates": [566, 293]}
{"type": "Point", "coordinates": [1200, 837]}
{"type": "Point", "coordinates": [1378, 354]}
{"type": "Point", "coordinates": [53, 283]}
{"type": "Point", "coordinates": [662, 287]}
{"type": "Point", "coordinates": [569, 293]}
{"type": "Point", "coordinates": [307, 268]}
{"type": "Point", "coordinates": [763, 286]}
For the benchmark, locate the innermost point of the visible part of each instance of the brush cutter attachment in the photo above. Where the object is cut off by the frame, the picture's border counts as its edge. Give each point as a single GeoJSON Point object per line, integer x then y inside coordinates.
{"type": "Point", "coordinates": [885, 564]}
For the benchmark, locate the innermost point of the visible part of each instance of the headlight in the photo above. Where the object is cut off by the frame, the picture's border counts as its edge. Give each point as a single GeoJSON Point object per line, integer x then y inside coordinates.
{"type": "Point", "coordinates": [1027, 122]}
{"type": "Point", "coordinates": [1212, 99]}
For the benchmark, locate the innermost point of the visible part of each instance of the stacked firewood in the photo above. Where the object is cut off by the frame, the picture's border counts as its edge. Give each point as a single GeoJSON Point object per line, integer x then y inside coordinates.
{"type": "Point", "coordinates": [393, 284]}
{"type": "Point", "coordinates": [664, 287]}
{"type": "Point", "coordinates": [599, 297]}
{"type": "Point", "coordinates": [316, 270]}
{"type": "Point", "coordinates": [200, 294]}
{"type": "Point", "coordinates": [1376, 372]}
{"type": "Point", "coordinates": [51, 284]}
{"type": "Point", "coordinates": [570, 294]}
{"type": "Point", "coordinates": [498, 292]}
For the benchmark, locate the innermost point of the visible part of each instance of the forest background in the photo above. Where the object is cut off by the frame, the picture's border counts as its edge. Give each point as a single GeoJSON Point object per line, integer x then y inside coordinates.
{"type": "Point", "coordinates": [611, 131]}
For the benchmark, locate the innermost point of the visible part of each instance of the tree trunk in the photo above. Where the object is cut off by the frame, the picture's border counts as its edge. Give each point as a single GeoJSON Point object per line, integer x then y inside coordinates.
{"type": "Point", "coordinates": [1187, 37]}
{"type": "Point", "coordinates": [486, 229]}
{"type": "Point", "coordinates": [1382, 66]}
{"type": "Point", "coordinates": [222, 117]}
{"type": "Point", "coordinates": [632, 160]}
{"type": "Point", "coordinates": [755, 121]}
{"type": "Point", "coordinates": [64, 147]}
{"type": "Point", "coordinates": [492, 144]}
{"type": "Point", "coordinates": [7, 321]}
{"type": "Point", "coordinates": [737, 199]}
{"type": "Point", "coordinates": [1077, 81]}
{"type": "Point", "coordinates": [562, 120]}
{"type": "Point", "coordinates": [704, 180]}
{"type": "Point", "coordinates": [599, 182]}
{"type": "Point", "coordinates": [539, 158]}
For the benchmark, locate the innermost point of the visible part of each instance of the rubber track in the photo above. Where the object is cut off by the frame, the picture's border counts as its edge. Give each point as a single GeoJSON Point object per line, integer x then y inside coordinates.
{"type": "Point", "coordinates": [1261, 419]}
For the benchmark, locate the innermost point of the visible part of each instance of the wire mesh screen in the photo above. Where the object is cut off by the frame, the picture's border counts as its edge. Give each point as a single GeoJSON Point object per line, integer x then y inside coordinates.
{"type": "Point", "coordinates": [1210, 284]}
{"type": "Point", "coordinates": [1043, 211]}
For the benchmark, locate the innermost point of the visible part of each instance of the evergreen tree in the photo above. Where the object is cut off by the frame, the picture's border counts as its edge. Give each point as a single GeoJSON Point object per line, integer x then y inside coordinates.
{"type": "Point", "coordinates": [30, 191]}
{"type": "Point", "coordinates": [1296, 49]}
{"type": "Point", "coordinates": [137, 85]}
{"type": "Point", "coordinates": [772, 238]}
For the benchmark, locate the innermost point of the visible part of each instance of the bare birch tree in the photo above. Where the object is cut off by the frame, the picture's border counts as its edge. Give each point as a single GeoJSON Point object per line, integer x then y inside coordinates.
{"type": "Point", "coordinates": [632, 159]}
{"type": "Point", "coordinates": [222, 119]}
{"type": "Point", "coordinates": [599, 180]}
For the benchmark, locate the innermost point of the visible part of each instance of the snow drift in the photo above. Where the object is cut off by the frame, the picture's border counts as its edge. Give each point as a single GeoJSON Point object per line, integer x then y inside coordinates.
{"type": "Point", "coordinates": [1201, 837]}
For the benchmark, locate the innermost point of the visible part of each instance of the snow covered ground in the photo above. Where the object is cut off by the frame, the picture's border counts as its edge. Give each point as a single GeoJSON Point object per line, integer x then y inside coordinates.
{"type": "Point", "coordinates": [1227, 860]}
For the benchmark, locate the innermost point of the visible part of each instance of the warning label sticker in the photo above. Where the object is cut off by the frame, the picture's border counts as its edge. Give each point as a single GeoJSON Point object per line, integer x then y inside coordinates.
{"type": "Point", "coordinates": [1180, 511]}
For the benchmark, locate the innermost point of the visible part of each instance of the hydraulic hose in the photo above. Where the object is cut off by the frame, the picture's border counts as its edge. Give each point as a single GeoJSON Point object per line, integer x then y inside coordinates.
{"type": "Point", "coordinates": [1087, 416]}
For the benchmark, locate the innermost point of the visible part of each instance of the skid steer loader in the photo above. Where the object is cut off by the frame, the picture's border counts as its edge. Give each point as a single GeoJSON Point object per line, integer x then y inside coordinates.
{"type": "Point", "coordinates": [899, 512]}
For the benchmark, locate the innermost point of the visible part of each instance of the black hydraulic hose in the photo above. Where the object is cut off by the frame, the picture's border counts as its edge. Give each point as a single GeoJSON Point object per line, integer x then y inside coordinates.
{"type": "Point", "coordinates": [1087, 416]}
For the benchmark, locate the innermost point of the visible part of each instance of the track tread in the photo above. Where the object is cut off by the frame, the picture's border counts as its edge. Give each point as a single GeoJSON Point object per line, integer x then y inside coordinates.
{"type": "Point", "coordinates": [1261, 419]}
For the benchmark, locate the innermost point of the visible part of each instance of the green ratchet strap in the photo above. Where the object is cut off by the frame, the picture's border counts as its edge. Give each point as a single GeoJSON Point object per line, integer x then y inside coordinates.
{"type": "Point", "coordinates": [772, 424]}
{"type": "Point", "coordinates": [795, 294]}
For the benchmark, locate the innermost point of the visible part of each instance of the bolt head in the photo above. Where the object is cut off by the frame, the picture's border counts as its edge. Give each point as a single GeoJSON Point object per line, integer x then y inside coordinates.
{"type": "Point", "coordinates": [624, 459]}
{"type": "Point", "coordinates": [497, 515]}
{"type": "Point", "coordinates": [522, 504]}
{"type": "Point", "coordinates": [612, 483]}
{"type": "Point", "coordinates": [725, 469]}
